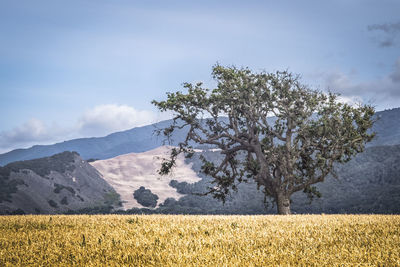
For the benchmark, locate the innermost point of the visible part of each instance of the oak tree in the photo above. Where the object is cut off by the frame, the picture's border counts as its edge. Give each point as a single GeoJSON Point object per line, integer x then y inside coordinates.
{"type": "Point", "coordinates": [268, 127]}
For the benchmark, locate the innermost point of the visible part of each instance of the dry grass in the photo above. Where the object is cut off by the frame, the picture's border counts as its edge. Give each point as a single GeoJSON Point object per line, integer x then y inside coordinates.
{"type": "Point", "coordinates": [157, 240]}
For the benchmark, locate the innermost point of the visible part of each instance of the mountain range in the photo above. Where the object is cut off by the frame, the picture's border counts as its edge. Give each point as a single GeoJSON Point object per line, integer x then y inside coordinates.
{"type": "Point", "coordinates": [142, 139]}
{"type": "Point", "coordinates": [136, 140]}
{"type": "Point", "coordinates": [118, 173]}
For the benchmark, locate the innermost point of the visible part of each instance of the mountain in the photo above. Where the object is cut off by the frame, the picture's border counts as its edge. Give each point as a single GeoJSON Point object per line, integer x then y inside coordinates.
{"type": "Point", "coordinates": [138, 139]}
{"type": "Point", "coordinates": [64, 183]}
{"type": "Point", "coordinates": [387, 128]}
{"type": "Point", "coordinates": [61, 183]}
{"type": "Point", "coordinates": [142, 139]}
{"type": "Point", "coordinates": [126, 182]}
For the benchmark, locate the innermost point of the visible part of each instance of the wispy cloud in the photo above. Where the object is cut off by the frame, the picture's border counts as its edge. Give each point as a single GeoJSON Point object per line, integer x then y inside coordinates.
{"type": "Point", "coordinates": [97, 121]}
{"type": "Point", "coordinates": [105, 119]}
{"type": "Point", "coordinates": [383, 92]}
{"type": "Point", "coordinates": [389, 33]}
{"type": "Point", "coordinates": [33, 131]}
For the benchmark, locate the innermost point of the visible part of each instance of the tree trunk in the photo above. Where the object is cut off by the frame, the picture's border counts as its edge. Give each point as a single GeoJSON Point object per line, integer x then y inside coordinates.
{"type": "Point", "coordinates": [283, 204]}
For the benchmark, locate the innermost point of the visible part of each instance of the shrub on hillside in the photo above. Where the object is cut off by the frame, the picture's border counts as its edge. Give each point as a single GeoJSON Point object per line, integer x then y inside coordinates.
{"type": "Point", "coordinates": [145, 197]}
{"type": "Point", "coordinates": [52, 203]}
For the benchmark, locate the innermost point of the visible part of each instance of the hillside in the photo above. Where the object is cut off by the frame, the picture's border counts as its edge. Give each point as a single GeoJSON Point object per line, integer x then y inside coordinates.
{"type": "Point", "coordinates": [387, 128]}
{"type": "Point", "coordinates": [142, 139]}
{"type": "Point", "coordinates": [127, 173]}
{"type": "Point", "coordinates": [370, 183]}
{"type": "Point", "coordinates": [58, 184]}
{"type": "Point", "coordinates": [64, 183]}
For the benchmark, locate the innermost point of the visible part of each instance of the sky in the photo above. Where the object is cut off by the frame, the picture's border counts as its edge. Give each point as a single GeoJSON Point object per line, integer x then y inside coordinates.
{"type": "Point", "coordinates": [83, 68]}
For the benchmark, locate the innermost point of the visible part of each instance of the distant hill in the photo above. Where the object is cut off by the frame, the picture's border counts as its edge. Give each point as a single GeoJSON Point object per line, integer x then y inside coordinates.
{"type": "Point", "coordinates": [143, 139]}
{"type": "Point", "coordinates": [370, 183]}
{"type": "Point", "coordinates": [58, 184]}
{"type": "Point", "coordinates": [128, 172]}
{"type": "Point", "coordinates": [64, 183]}
{"type": "Point", "coordinates": [138, 139]}
{"type": "Point", "coordinates": [387, 128]}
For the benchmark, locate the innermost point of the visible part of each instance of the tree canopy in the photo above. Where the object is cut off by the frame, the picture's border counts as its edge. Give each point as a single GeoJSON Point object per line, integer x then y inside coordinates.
{"type": "Point", "coordinates": [269, 127]}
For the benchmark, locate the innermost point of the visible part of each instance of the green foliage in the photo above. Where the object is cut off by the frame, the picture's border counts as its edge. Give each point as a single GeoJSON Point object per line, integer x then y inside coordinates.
{"type": "Point", "coordinates": [91, 160]}
{"type": "Point", "coordinates": [312, 192]}
{"type": "Point", "coordinates": [64, 201]}
{"type": "Point", "coordinates": [133, 221]}
{"type": "Point", "coordinates": [8, 187]}
{"type": "Point", "coordinates": [182, 187]}
{"type": "Point", "coordinates": [145, 197]}
{"type": "Point", "coordinates": [52, 203]}
{"type": "Point", "coordinates": [59, 187]}
{"type": "Point", "coordinates": [17, 212]}
{"type": "Point", "coordinates": [92, 210]}
{"type": "Point", "coordinates": [311, 131]}
{"type": "Point", "coordinates": [112, 198]}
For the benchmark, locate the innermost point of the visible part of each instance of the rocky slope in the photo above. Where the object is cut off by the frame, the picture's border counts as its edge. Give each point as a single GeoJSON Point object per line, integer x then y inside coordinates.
{"type": "Point", "coordinates": [58, 184]}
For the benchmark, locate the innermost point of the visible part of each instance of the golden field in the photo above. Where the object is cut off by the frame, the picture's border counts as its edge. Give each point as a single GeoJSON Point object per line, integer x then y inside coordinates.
{"type": "Point", "coordinates": [177, 240]}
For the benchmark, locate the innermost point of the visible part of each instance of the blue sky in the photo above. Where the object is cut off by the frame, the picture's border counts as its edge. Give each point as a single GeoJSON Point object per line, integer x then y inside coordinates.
{"type": "Point", "coordinates": [88, 68]}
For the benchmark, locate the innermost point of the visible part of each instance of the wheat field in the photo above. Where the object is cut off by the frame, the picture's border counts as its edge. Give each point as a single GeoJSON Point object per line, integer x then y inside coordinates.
{"type": "Point", "coordinates": [178, 240]}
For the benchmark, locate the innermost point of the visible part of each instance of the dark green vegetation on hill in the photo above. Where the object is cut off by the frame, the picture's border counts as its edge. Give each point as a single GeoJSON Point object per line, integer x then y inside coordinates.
{"type": "Point", "coordinates": [145, 197]}
{"type": "Point", "coordinates": [62, 183]}
{"type": "Point", "coordinates": [61, 162]}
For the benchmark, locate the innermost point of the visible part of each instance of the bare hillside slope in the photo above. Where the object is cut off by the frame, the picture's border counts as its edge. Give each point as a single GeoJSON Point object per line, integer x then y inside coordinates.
{"type": "Point", "coordinates": [127, 173]}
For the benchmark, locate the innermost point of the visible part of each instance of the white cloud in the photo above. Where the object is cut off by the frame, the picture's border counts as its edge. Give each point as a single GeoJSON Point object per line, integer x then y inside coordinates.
{"type": "Point", "coordinates": [97, 121]}
{"type": "Point", "coordinates": [351, 100]}
{"type": "Point", "coordinates": [105, 119]}
{"type": "Point", "coordinates": [34, 131]}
